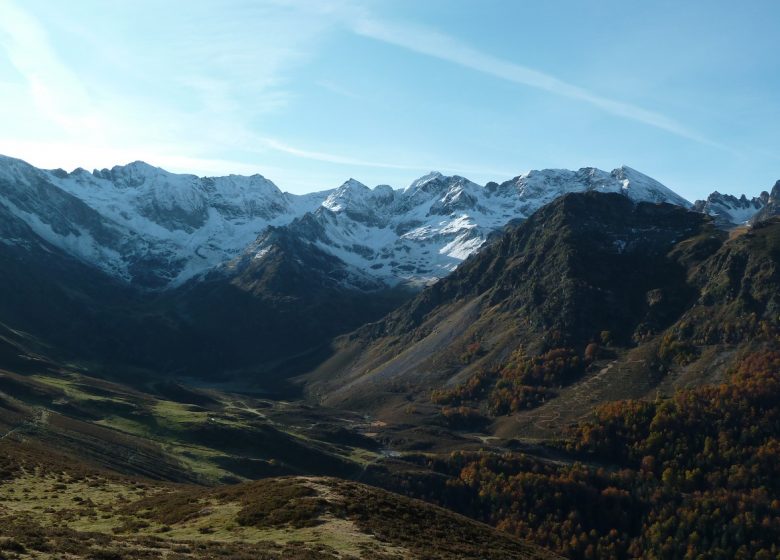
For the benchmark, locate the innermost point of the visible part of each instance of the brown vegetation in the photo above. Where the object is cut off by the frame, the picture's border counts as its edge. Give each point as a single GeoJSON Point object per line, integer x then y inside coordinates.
{"type": "Point", "coordinates": [693, 476]}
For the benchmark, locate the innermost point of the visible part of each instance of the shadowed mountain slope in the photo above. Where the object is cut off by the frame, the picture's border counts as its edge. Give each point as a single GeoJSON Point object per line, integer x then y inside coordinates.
{"type": "Point", "coordinates": [581, 265]}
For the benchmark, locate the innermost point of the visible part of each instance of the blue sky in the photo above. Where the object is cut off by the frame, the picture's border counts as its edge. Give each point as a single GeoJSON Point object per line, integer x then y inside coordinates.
{"type": "Point", "coordinates": [310, 93]}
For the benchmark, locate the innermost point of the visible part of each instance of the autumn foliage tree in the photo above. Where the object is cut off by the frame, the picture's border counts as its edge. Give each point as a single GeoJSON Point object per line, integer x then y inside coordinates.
{"type": "Point", "coordinates": [694, 476]}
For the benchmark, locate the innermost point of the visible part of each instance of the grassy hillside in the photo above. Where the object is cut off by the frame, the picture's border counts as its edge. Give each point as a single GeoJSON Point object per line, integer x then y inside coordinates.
{"type": "Point", "coordinates": [52, 506]}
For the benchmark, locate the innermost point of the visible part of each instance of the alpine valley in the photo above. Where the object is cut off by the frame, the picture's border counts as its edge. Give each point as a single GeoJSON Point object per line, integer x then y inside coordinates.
{"type": "Point", "coordinates": [577, 364]}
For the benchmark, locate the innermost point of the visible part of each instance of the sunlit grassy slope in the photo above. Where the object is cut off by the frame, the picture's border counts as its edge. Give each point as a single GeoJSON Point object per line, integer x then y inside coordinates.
{"type": "Point", "coordinates": [54, 507]}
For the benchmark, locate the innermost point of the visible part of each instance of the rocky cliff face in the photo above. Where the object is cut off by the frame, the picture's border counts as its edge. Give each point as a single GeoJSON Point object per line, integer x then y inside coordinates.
{"type": "Point", "coordinates": [771, 207]}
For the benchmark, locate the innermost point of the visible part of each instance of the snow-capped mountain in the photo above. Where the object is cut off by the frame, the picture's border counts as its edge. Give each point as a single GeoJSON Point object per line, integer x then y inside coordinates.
{"type": "Point", "coordinates": [156, 229]}
{"type": "Point", "coordinates": [728, 210]}
{"type": "Point", "coordinates": [143, 224]}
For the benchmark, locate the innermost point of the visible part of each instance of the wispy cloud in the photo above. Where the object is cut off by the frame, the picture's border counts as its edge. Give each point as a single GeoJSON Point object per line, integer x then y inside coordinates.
{"type": "Point", "coordinates": [82, 127]}
{"type": "Point", "coordinates": [431, 42]}
{"type": "Point", "coordinates": [283, 147]}
{"type": "Point", "coordinates": [327, 157]}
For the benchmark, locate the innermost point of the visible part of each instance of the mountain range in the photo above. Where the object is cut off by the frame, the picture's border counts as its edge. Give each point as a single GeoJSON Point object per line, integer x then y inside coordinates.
{"type": "Point", "coordinates": [155, 229]}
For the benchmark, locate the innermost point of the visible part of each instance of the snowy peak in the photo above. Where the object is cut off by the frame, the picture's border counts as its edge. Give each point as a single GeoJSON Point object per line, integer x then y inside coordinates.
{"type": "Point", "coordinates": [175, 201]}
{"type": "Point", "coordinates": [729, 211]}
{"type": "Point", "coordinates": [422, 181]}
{"type": "Point", "coordinates": [528, 192]}
{"type": "Point", "coordinates": [457, 195]}
{"type": "Point", "coordinates": [441, 194]}
{"type": "Point", "coordinates": [12, 169]}
{"type": "Point", "coordinates": [137, 173]}
{"type": "Point", "coordinates": [435, 183]}
{"type": "Point", "coordinates": [624, 180]}
{"type": "Point", "coordinates": [360, 203]}
{"type": "Point", "coordinates": [641, 188]}
{"type": "Point", "coordinates": [349, 195]}
{"type": "Point", "coordinates": [538, 187]}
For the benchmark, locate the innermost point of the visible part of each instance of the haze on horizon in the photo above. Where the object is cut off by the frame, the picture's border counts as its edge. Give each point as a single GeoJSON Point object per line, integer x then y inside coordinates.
{"type": "Point", "coordinates": [310, 93]}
